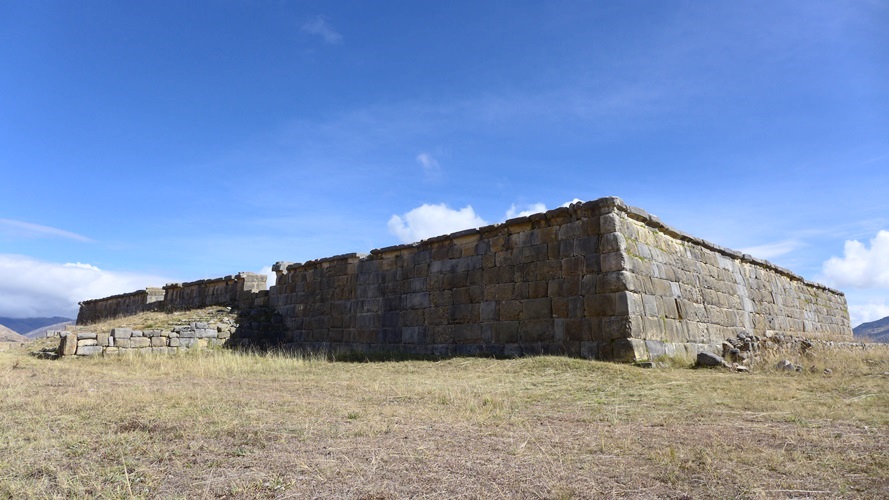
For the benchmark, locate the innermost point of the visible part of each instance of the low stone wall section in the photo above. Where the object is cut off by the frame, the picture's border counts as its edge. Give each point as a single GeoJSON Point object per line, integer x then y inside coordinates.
{"type": "Point", "coordinates": [125, 304]}
{"type": "Point", "coordinates": [243, 290]}
{"type": "Point", "coordinates": [129, 341]}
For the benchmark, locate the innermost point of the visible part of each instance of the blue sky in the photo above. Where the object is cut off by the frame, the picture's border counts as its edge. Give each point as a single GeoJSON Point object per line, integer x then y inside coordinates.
{"type": "Point", "coordinates": [147, 142]}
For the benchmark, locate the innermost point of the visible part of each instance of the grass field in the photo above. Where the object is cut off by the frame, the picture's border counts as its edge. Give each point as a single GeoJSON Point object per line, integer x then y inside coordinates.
{"type": "Point", "coordinates": [224, 424]}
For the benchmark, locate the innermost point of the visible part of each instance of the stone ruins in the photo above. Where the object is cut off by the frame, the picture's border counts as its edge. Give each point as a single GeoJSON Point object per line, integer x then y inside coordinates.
{"type": "Point", "coordinates": [599, 280]}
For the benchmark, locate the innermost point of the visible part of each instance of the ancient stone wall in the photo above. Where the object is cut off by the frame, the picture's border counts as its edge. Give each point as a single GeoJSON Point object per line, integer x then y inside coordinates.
{"type": "Point", "coordinates": [240, 290]}
{"type": "Point", "coordinates": [599, 279]}
{"type": "Point", "coordinates": [125, 304]}
{"type": "Point", "coordinates": [243, 290]}
{"type": "Point", "coordinates": [129, 341]}
{"type": "Point", "coordinates": [681, 291]}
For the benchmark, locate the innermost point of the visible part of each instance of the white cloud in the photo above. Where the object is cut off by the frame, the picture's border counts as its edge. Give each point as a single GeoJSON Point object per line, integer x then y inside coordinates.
{"type": "Point", "coordinates": [533, 208]}
{"type": "Point", "coordinates": [427, 221]}
{"type": "Point", "coordinates": [270, 280]}
{"type": "Point", "coordinates": [431, 168]}
{"type": "Point", "coordinates": [569, 203]}
{"type": "Point", "coordinates": [771, 250]}
{"type": "Point", "coordinates": [861, 267]}
{"type": "Point", "coordinates": [320, 27]}
{"type": "Point", "coordinates": [27, 229]}
{"type": "Point", "coordinates": [30, 287]}
{"type": "Point", "coordinates": [864, 313]}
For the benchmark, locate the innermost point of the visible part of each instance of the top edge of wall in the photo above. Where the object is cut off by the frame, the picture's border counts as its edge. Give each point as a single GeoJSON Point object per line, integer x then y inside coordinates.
{"type": "Point", "coordinates": [230, 277]}
{"type": "Point", "coordinates": [144, 291]}
{"type": "Point", "coordinates": [654, 222]}
{"type": "Point", "coordinates": [573, 211]}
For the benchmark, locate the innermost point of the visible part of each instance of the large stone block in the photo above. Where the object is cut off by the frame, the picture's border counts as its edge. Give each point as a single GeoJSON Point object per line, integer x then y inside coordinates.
{"type": "Point", "coordinates": [89, 350]}
{"type": "Point", "coordinates": [68, 344]}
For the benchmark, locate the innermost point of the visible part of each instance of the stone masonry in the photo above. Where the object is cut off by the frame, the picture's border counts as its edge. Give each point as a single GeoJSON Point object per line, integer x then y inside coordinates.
{"type": "Point", "coordinates": [243, 290]}
{"type": "Point", "coordinates": [130, 341]}
{"type": "Point", "coordinates": [598, 279]}
{"type": "Point", "coordinates": [125, 304]}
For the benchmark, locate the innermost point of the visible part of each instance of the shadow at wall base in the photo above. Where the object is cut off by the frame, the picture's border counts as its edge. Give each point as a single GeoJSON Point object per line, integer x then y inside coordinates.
{"type": "Point", "coordinates": [269, 337]}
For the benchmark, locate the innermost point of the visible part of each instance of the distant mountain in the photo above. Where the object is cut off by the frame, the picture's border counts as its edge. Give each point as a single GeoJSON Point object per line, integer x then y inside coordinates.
{"type": "Point", "coordinates": [25, 325]}
{"type": "Point", "coordinates": [7, 335]}
{"type": "Point", "coordinates": [41, 332]}
{"type": "Point", "coordinates": [875, 330]}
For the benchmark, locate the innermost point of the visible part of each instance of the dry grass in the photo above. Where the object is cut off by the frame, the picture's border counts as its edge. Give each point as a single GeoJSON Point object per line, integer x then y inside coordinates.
{"type": "Point", "coordinates": [224, 424]}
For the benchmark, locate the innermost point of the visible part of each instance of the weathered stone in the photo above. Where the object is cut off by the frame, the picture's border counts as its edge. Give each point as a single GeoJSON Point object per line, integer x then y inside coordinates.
{"type": "Point", "coordinates": [708, 360]}
{"type": "Point", "coordinates": [140, 342]}
{"type": "Point", "coordinates": [122, 333]}
{"type": "Point", "coordinates": [68, 344]}
{"type": "Point", "coordinates": [89, 350]}
{"type": "Point", "coordinates": [785, 365]}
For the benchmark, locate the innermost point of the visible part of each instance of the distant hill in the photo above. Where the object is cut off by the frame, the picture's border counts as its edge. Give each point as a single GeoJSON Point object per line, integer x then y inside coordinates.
{"type": "Point", "coordinates": [41, 332]}
{"type": "Point", "coordinates": [7, 335]}
{"type": "Point", "coordinates": [25, 325]}
{"type": "Point", "coordinates": [875, 330]}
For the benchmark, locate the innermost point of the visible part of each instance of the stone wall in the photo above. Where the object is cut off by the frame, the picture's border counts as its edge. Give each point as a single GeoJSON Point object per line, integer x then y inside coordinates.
{"type": "Point", "coordinates": [125, 304]}
{"type": "Point", "coordinates": [129, 341]}
{"type": "Point", "coordinates": [508, 289]}
{"type": "Point", "coordinates": [243, 290]}
{"type": "Point", "coordinates": [599, 280]}
{"type": "Point", "coordinates": [681, 290]}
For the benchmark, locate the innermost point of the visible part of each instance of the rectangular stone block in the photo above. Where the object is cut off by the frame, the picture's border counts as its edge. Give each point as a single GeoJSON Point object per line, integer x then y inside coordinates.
{"type": "Point", "coordinates": [510, 310]}
{"type": "Point", "coordinates": [122, 333]}
{"type": "Point", "coordinates": [159, 341]}
{"type": "Point", "coordinates": [536, 309]}
{"type": "Point", "coordinates": [535, 331]}
{"type": "Point", "coordinates": [140, 342]}
{"type": "Point", "coordinates": [89, 350]}
{"type": "Point", "coordinates": [506, 332]}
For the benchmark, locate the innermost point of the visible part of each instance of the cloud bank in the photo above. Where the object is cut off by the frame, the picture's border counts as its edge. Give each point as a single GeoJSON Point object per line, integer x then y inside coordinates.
{"type": "Point", "coordinates": [427, 221]}
{"type": "Point", "coordinates": [30, 287]}
{"type": "Point", "coordinates": [860, 266]}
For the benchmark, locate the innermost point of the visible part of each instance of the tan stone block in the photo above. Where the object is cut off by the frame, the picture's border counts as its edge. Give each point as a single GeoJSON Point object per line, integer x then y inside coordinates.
{"type": "Point", "coordinates": [68, 344]}
{"type": "Point", "coordinates": [140, 342]}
